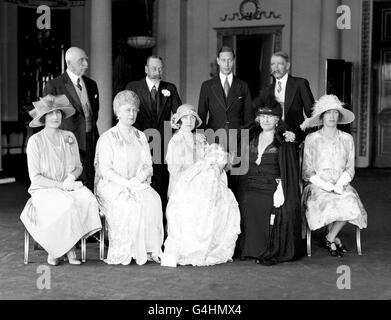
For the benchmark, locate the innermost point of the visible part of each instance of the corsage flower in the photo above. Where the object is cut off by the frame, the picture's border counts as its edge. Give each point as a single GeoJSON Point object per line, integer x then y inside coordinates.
{"type": "Point", "coordinates": [289, 136]}
{"type": "Point", "coordinates": [166, 93]}
{"type": "Point", "coordinates": [69, 139]}
{"type": "Point", "coordinates": [174, 123]}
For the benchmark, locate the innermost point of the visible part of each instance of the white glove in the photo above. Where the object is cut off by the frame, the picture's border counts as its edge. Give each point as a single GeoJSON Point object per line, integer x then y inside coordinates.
{"type": "Point", "coordinates": [278, 196]}
{"type": "Point", "coordinates": [326, 186]}
{"type": "Point", "coordinates": [77, 185]}
{"type": "Point", "coordinates": [342, 182]}
{"type": "Point", "coordinates": [69, 183]}
{"type": "Point", "coordinates": [135, 184]}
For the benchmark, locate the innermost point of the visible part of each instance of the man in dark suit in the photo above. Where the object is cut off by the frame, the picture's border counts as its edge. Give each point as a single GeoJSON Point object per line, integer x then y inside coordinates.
{"type": "Point", "coordinates": [225, 97]}
{"type": "Point", "coordinates": [158, 99]}
{"type": "Point", "coordinates": [293, 93]}
{"type": "Point", "coordinates": [227, 101]}
{"type": "Point", "coordinates": [83, 94]}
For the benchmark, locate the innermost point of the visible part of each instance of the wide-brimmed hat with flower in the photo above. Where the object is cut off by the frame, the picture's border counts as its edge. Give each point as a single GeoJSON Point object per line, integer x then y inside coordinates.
{"type": "Point", "coordinates": [48, 104]}
{"type": "Point", "coordinates": [325, 103]}
{"type": "Point", "coordinates": [184, 110]}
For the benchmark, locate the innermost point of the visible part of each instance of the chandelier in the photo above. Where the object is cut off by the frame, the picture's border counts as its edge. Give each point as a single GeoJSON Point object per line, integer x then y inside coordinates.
{"type": "Point", "coordinates": [143, 42]}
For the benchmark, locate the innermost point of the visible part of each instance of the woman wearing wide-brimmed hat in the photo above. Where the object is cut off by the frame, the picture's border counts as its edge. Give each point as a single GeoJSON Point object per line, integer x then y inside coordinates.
{"type": "Point", "coordinates": [203, 216]}
{"type": "Point", "coordinates": [328, 166]}
{"type": "Point", "coordinates": [61, 210]}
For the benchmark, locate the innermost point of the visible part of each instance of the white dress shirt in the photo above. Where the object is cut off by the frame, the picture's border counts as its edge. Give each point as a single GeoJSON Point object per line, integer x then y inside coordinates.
{"type": "Point", "coordinates": [150, 84]}
{"type": "Point", "coordinates": [74, 78]}
{"type": "Point", "coordinates": [223, 77]}
{"type": "Point", "coordinates": [280, 97]}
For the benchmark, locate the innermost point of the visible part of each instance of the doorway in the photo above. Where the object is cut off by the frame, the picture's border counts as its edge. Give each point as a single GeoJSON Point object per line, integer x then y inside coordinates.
{"type": "Point", "coordinates": [253, 48]}
{"type": "Point", "coordinates": [381, 73]}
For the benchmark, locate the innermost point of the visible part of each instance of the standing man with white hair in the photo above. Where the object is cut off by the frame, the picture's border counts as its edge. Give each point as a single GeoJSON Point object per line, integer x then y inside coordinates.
{"type": "Point", "coordinates": [83, 94]}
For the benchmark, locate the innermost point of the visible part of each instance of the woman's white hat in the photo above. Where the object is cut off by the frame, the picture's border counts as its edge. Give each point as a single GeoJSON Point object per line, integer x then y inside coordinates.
{"type": "Point", "coordinates": [325, 103]}
{"type": "Point", "coordinates": [48, 104]}
{"type": "Point", "coordinates": [184, 110]}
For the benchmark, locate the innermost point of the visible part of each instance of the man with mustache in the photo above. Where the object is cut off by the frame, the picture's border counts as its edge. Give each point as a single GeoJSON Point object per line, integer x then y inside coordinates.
{"type": "Point", "coordinates": [82, 92]}
{"type": "Point", "coordinates": [293, 93]}
{"type": "Point", "coordinates": [158, 99]}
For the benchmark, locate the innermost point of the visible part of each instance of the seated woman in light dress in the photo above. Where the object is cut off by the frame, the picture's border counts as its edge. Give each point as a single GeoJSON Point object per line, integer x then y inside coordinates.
{"type": "Point", "coordinates": [61, 210]}
{"type": "Point", "coordinates": [132, 208]}
{"type": "Point", "coordinates": [203, 216]}
{"type": "Point", "coordinates": [328, 166]}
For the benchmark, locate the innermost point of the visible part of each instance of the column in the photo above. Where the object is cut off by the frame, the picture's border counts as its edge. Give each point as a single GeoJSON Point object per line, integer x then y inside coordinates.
{"type": "Point", "coordinates": [101, 59]}
{"type": "Point", "coordinates": [2, 54]}
{"type": "Point", "coordinates": [329, 39]}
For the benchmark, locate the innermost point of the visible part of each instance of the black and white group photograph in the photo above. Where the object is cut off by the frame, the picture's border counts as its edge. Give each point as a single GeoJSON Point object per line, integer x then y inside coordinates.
{"type": "Point", "coordinates": [197, 156]}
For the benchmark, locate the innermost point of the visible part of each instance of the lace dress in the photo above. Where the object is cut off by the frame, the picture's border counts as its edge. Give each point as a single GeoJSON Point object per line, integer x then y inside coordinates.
{"type": "Point", "coordinates": [329, 158]}
{"type": "Point", "coordinates": [134, 216]}
{"type": "Point", "coordinates": [202, 214]}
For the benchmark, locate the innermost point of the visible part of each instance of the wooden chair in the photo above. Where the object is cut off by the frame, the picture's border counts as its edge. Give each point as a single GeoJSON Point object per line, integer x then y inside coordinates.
{"type": "Point", "coordinates": [101, 242]}
{"type": "Point", "coordinates": [308, 230]}
{"type": "Point", "coordinates": [83, 243]}
{"type": "Point", "coordinates": [358, 241]}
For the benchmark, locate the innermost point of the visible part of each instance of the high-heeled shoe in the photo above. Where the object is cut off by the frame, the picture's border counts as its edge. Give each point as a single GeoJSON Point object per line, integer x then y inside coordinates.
{"type": "Point", "coordinates": [333, 249]}
{"type": "Point", "coordinates": [340, 246]}
{"type": "Point", "coordinates": [52, 261]}
{"type": "Point", "coordinates": [71, 255]}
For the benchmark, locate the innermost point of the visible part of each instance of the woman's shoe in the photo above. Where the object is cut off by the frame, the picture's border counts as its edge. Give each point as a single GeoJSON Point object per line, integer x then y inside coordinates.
{"type": "Point", "coordinates": [71, 255]}
{"type": "Point", "coordinates": [333, 249]}
{"type": "Point", "coordinates": [52, 261]}
{"type": "Point", "coordinates": [153, 258]}
{"type": "Point", "coordinates": [340, 246]}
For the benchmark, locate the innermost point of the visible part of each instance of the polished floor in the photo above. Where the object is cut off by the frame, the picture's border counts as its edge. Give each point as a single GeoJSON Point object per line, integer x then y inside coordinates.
{"type": "Point", "coordinates": [313, 277]}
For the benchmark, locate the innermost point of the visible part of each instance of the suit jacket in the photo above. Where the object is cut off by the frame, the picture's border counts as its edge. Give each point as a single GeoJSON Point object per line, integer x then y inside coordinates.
{"type": "Point", "coordinates": [166, 104]}
{"type": "Point", "coordinates": [298, 98]}
{"type": "Point", "coordinates": [76, 123]}
{"type": "Point", "coordinates": [233, 112]}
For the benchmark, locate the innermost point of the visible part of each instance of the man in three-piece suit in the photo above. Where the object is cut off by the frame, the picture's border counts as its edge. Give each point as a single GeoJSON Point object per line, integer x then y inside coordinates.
{"type": "Point", "coordinates": [158, 99]}
{"type": "Point", "coordinates": [82, 93]}
{"type": "Point", "coordinates": [293, 93]}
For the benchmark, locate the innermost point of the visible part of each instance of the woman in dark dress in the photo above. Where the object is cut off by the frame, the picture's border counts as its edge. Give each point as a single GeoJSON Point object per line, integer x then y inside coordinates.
{"type": "Point", "coordinates": [268, 195]}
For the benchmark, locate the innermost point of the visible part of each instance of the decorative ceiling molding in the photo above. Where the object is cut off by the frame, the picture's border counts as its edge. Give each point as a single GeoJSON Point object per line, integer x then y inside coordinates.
{"type": "Point", "coordinates": [61, 4]}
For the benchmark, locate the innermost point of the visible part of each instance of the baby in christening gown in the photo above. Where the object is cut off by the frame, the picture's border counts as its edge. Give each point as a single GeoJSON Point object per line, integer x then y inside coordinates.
{"type": "Point", "coordinates": [202, 213]}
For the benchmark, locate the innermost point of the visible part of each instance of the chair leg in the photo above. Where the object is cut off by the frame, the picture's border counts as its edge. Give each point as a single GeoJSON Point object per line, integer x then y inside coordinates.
{"type": "Point", "coordinates": [308, 242]}
{"type": "Point", "coordinates": [83, 249]}
{"type": "Point", "coordinates": [358, 240]}
{"type": "Point", "coordinates": [26, 246]}
{"type": "Point", "coordinates": [102, 241]}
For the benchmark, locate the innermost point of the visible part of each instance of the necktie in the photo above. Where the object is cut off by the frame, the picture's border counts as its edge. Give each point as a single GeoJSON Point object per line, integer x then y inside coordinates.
{"type": "Point", "coordinates": [154, 102]}
{"type": "Point", "coordinates": [226, 87]}
{"type": "Point", "coordinates": [279, 87]}
{"type": "Point", "coordinates": [153, 93]}
{"type": "Point", "coordinates": [78, 84]}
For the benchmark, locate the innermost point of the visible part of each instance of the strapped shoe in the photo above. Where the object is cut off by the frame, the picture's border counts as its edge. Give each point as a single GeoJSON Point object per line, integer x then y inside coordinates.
{"type": "Point", "coordinates": [333, 249]}
{"type": "Point", "coordinates": [340, 246]}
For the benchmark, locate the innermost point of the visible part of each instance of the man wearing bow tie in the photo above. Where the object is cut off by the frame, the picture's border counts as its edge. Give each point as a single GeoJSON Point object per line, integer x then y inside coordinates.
{"type": "Point", "coordinates": [158, 99]}
{"type": "Point", "coordinates": [83, 94]}
{"type": "Point", "coordinates": [293, 93]}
